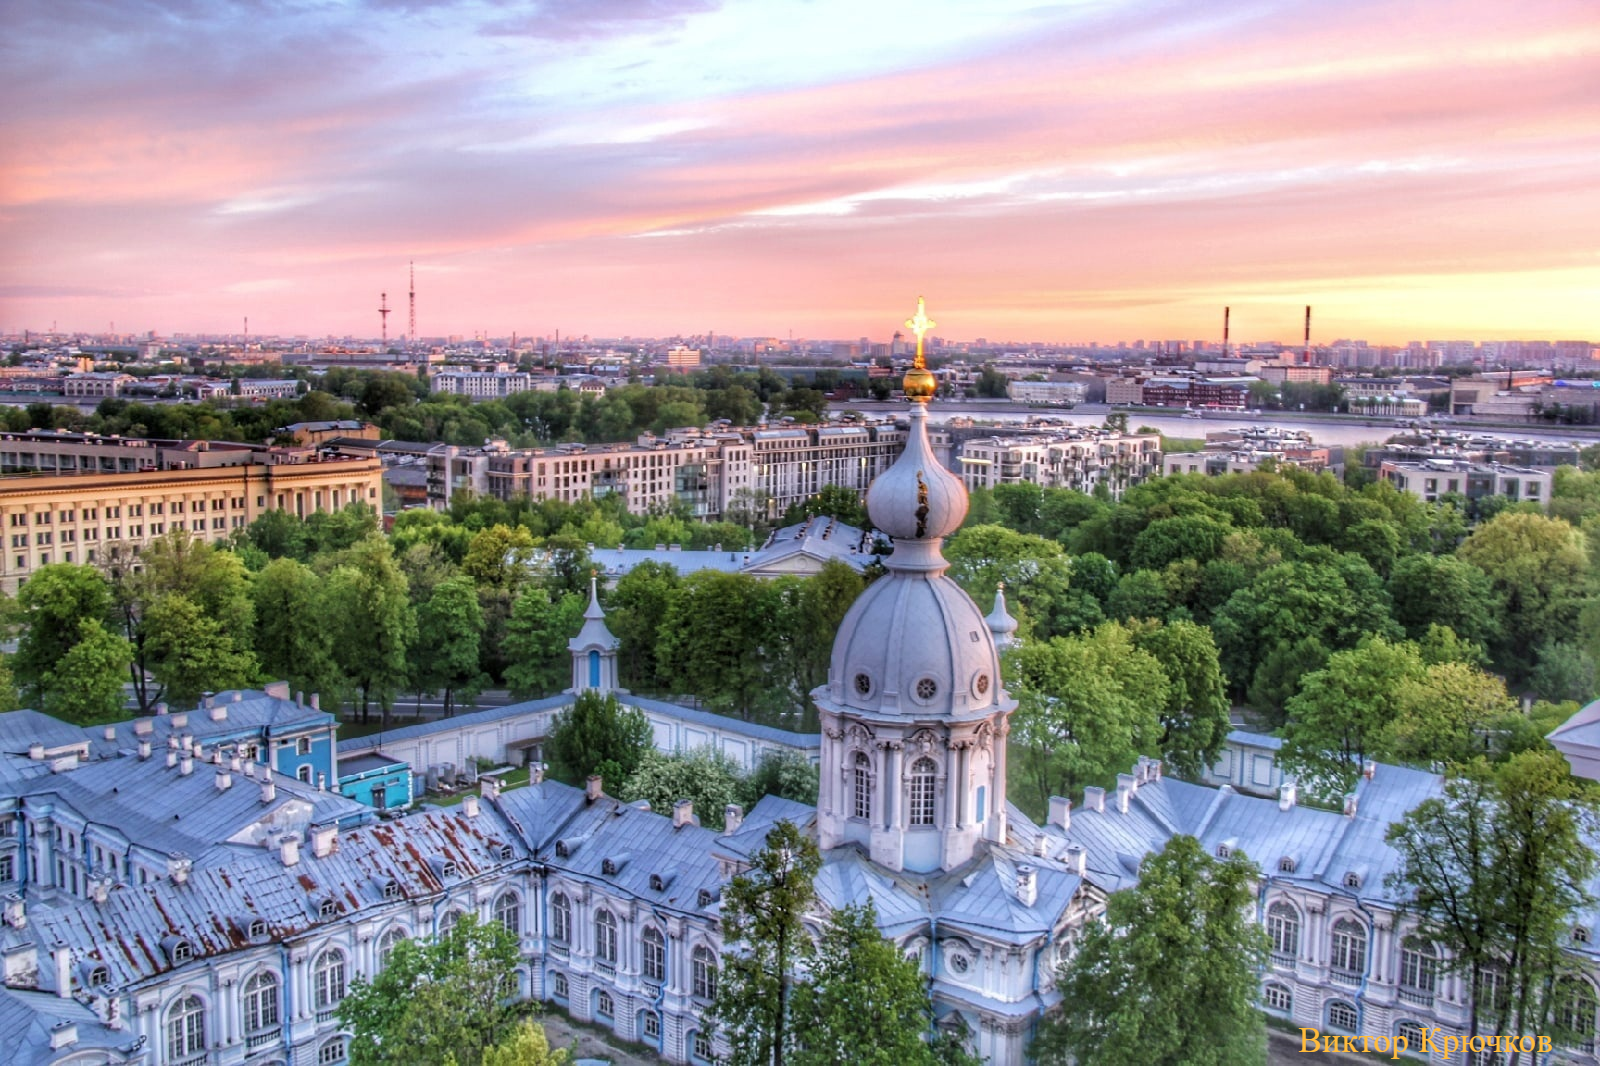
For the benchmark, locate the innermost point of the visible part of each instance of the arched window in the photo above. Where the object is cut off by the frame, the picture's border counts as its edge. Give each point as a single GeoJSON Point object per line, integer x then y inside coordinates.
{"type": "Point", "coordinates": [1278, 998]}
{"type": "Point", "coordinates": [261, 1003]}
{"type": "Point", "coordinates": [303, 774]}
{"type": "Point", "coordinates": [655, 954]}
{"type": "Point", "coordinates": [186, 1029]}
{"type": "Point", "coordinates": [327, 980]}
{"type": "Point", "coordinates": [1419, 965]}
{"type": "Point", "coordinates": [605, 937]}
{"type": "Point", "coordinates": [1575, 1013]}
{"type": "Point", "coordinates": [1283, 928]}
{"type": "Point", "coordinates": [604, 1005]}
{"type": "Point", "coordinates": [1342, 1015]}
{"type": "Point", "coordinates": [332, 1053]}
{"type": "Point", "coordinates": [923, 772]}
{"type": "Point", "coordinates": [1349, 954]}
{"type": "Point", "coordinates": [448, 920]}
{"type": "Point", "coordinates": [386, 944]}
{"type": "Point", "coordinates": [508, 911]}
{"type": "Point", "coordinates": [560, 918]}
{"type": "Point", "coordinates": [863, 785]}
{"type": "Point", "coordinates": [703, 973]}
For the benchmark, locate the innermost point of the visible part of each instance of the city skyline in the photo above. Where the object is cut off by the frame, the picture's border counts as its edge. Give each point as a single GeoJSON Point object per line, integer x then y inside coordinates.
{"type": "Point", "coordinates": [1091, 172]}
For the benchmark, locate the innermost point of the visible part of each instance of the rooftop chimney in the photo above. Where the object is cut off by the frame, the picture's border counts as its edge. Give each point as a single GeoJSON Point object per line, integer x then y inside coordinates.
{"type": "Point", "coordinates": [111, 732]}
{"type": "Point", "coordinates": [1027, 885]}
{"type": "Point", "coordinates": [144, 749]}
{"type": "Point", "coordinates": [234, 761]}
{"type": "Point", "coordinates": [143, 727]}
{"type": "Point", "coordinates": [16, 911]}
{"type": "Point", "coordinates": [63, 1034]}
{"type": "Point", "coordinates": [1060, 813]}
{"type": "Point", "coordinates": [1141, 772]}
{"type": "Point", "coordinates": [1349, 804]}
{"type": "Point", "coordinates": [1155, 769]}
{"type": "Point", "coordinates": [316, 701]}
{"type": "Point", "coordinates": [1094, 799]}
{"type": "Point", "coordinates": [591, 788]}
{"type": "Point", "coordinates": [161, 708]}
{"type": "Point", "coordinates": [224, 780]}
{"type": "Point", "coordinates": [178, 866]}
{"type": "Point", "coordinates": [249, 769]}
{"type": "Point", "coordinates": [269, 791]}
{"type": "Point", "coordinates": [1077, 859]}
{"type": "Point", "coordinates": [172, 758]}
{"type": "Point", "coordinates": [732, 818]}
{"type": "Point", "coordinates": [63, 960]}
{"type": "Point", "coordinates": [1286, 796]}
{"type": "Point", "coordinates": [489, 786]}
{"type": "Point", "coordinates": [1369, 769]}
{"type": "Point", "coordinates": [325, 840]}
{"type": "Point", "coordinates": [36, 751]}
{"type": "Point", "coordinates": [682, 813]}
{"type": "Point", "coordinates": [186, 765]}
{"type": "Point", "coordinates": [219, 712]}
{"type": "Point", "coordinates": [1041, 846]}
{"type": "Point", "coordinates": [536, 773]}
{"type": "Point", "coordinates": [289, 851]}
{"type": "Point", "coordinates": [469, 806]}
{"type": "Point", "coordinates": [1126, 784]}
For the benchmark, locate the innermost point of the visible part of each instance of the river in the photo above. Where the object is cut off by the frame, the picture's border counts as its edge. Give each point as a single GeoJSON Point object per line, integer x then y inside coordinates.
{"type": "Point", "coordinates": [1335, 430]}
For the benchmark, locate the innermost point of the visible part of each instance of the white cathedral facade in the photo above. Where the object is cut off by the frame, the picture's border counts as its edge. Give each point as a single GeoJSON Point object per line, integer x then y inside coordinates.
{"type": "Point", "coordinates": [197, 909]}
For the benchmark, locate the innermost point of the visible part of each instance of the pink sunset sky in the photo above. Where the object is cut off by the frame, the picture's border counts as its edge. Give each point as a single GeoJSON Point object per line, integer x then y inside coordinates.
{"type": "Point", "coordinates": [1068, 172]}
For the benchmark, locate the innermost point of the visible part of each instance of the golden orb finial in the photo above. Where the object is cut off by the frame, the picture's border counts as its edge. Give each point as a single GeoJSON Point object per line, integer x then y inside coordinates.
{"type": "Point", "coordinates": [919, 382]}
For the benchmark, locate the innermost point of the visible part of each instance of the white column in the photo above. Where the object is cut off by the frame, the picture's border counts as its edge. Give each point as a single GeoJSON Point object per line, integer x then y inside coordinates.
{"type": "Point", "coordinates": [963, 815]}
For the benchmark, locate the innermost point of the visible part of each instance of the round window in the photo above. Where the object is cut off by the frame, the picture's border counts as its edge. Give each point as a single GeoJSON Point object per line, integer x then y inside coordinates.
{"type": "Point", "coordinates": [927, 689]}
{"type": "Point", "coordinates": [958, 962]}
{"type": "Point", "coordinates": [863, 684]}
{"type": "Point", "coordinates": [982, 684]}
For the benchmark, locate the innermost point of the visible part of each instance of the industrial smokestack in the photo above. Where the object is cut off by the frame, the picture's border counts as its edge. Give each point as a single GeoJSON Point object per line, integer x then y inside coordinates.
{"type": "Point", "coordinates": [1308, 335]}
{"type": "Point", "coordinates": [1226, 312]}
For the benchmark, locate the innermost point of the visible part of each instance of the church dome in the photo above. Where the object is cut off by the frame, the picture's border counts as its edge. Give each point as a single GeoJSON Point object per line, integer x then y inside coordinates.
{"type": "Point", "coordinates": [917, 498]}
{"type": "Point", "coordinates": [914, 646]}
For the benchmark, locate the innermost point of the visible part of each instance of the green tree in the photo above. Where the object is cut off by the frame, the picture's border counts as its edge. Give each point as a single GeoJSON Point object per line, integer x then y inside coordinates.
{"type": "Point", "coordinates": [1443, 590]}
{"type": "Point", "coordinates": [637, 609]}
{"type": "Point", "coordinates": [1565, 671]}
{"type": "Point", "coordinates": [498, 558]}
{"type": "Point", "coordinates": [373, 624]}
{"type": "Point", "coordinates": [84, 686]}
{"type": "Point", "coordinates": [51, 609]}
{"type": "Point", "coordinates": [1171, 975]}
{"type": "Point", "coordinates": [863, 1000]}
{"type": "Point", "coordinates": [833, 501]}
{"type": "Point", "coordinates": [536, 639]}
{"type": "Point", "coordinates": [1340, 716]}
{"type": "Point", "coordinates": [705, 776]}
{"type": "Point", "coordinates": [765, 947]}
{"type": "Point", "coordinates": [597, 735]}
{"type": "Point", "coordinates": [714, 641]}
{"type": "Point", "coordinates": [290, 642]}
{"type": "Point", "coordinates": [526, 1046]}
{"type": "Point", "coordinates": [1493, 870]}
{"type": "Point", "coordinates": [1194, 719]}
{"type": "Point", "coordinates": [188, 652]}
{"type": "Point", "coordinates": [1538, 566]}
{"type": "Point", "coordinates": [1088, 706]}
{"type": "Point", "coordinates": [449, 626]}
{"type": "Point", "coordinates": [436, 1001]}
{"type": "Point", "coordinates": [1277, 679]}
{"type": "Point", "coordinates": [1442, 715]}
{"type": "Point", "coordinates": [783, 773]}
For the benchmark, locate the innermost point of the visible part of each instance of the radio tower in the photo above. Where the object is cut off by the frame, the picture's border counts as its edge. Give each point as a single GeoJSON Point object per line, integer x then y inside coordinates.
{"type": "Point", "coordinates": [383, 316]}
{"type": "Point", "coordinates": [411, 329]}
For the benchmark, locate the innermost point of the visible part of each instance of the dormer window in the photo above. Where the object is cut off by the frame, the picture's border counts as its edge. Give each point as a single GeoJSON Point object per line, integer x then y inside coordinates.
{"type": "Point", "coordinates": [1223, 851]}
{"type": "Point", "coordinates": [258, 929]}
{"type": "Point", "coordinates": [1580, 934]}
{"type": "Point", "coordinates": [611, 867]}
{"type": "Point", "coordinates": [1352, 880]}
{"type": "Point", "coordinates": [391, 890]}
{"type": "Point", "coordinates": [449, 868]}
{"type": "Point", "coordinates": [507, 852]}
{"type": "Point", "coordinates": [705, 897]}
{"type": "Point", "coordinates": [658, 883]}
{"type": "Point", "coordinates": [329, 909]}
{"type": "Point", "coordinates": [181, 952]}
{"type": "Point", "coordinates": [99, 977]}
{"type": "Point", "coordinates": [1286, 865]}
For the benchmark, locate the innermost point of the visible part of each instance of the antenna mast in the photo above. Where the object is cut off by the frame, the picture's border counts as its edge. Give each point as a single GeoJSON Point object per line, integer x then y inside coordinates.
{"type": "Point", "coordinates": [383, 316]}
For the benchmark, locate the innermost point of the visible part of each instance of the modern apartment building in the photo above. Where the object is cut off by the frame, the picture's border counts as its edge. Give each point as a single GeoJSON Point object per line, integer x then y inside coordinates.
{"type": "Point", "coordinates": [1432, 478]}
{"type": "Point", "coordinates": [1080, 459]}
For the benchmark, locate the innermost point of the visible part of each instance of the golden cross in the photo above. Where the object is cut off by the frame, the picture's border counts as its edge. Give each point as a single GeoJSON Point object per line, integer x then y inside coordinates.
{"type": "Point", "coordinates": [919, 324]}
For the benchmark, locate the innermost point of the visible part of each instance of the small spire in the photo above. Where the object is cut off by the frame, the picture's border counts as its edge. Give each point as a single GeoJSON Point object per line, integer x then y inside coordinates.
{"type": "Point", "coordinates": [1000, 622]}
{"type": "Point", "coordinates": [594, 610]}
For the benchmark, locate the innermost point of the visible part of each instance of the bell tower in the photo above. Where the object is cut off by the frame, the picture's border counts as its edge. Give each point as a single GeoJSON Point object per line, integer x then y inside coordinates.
{"type": "Point", "coordinates": [914, 719]}
{"type": "Point", "coordinates": [594, 649]}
